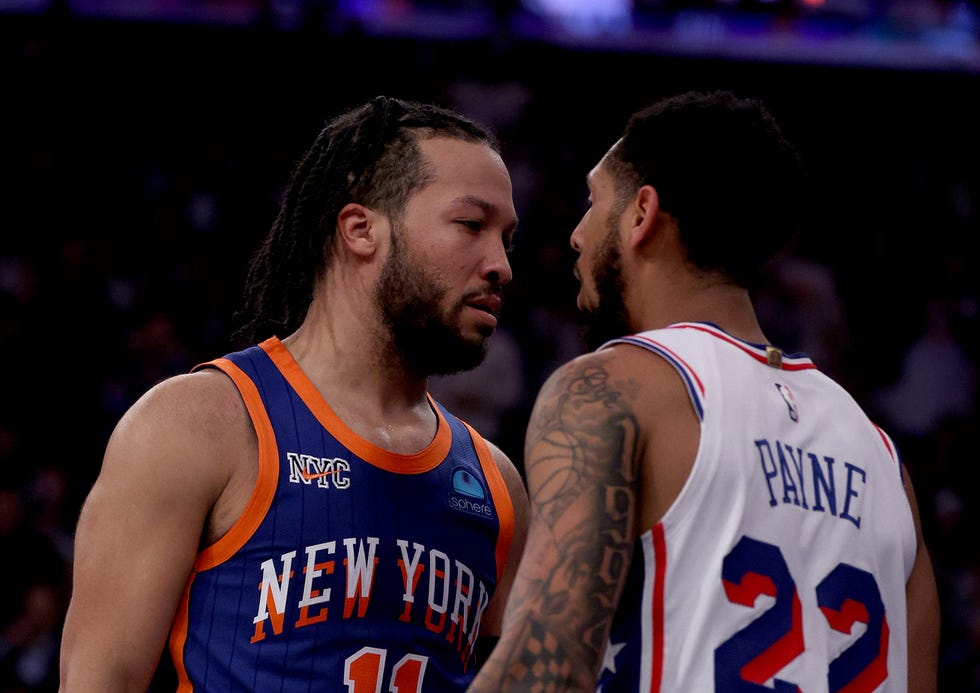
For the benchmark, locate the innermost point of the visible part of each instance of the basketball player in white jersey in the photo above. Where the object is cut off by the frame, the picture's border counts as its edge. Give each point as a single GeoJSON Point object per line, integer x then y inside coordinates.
{"type": "Point", "coordinates": [708, 512]}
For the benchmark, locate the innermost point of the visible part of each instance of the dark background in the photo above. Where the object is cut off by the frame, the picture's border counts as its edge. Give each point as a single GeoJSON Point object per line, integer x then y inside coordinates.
{"type": "Point", "coordinates": [144, 145]}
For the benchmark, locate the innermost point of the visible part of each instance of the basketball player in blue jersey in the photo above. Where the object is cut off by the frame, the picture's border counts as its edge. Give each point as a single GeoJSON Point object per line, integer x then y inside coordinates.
{"type": "Point", "coordinates": [708, 513]}
{"type": "Point", "coordinates": [301, 515]}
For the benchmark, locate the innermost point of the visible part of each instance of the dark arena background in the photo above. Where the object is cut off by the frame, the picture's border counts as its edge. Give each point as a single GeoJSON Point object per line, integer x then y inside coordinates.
{"type": "Point", "coordinates": [144, 145]}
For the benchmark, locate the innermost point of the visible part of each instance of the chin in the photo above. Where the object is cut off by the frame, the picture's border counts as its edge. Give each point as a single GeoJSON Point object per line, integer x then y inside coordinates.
{"type": "Point", "coordinates": [465, 356]}
{"type": "Point", "coordinates": [485, 332]}
{"type": "Point", "coordinates": [584, 304]}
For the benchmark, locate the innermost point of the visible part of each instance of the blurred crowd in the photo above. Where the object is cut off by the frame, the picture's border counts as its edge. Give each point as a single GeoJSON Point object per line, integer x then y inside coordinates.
{"type": "Point", "coordinates": [140, 167]}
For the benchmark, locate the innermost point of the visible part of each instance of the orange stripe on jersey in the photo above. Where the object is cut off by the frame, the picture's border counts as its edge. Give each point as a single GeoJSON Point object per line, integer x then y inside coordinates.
{"type": "Point", "coordinates": [422, 461]}
{"type": "Point", "coordinates": [258, 505]}
{"type": "Point", "coordinates": [265, 484]}
{"type": "Point", "coordinates": [178, 637]}
{"type": "Point", "coordinates": [501, 498]}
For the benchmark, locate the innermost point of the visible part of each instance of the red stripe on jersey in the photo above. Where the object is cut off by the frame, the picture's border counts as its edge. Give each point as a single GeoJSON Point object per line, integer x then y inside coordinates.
{"type": "Point", "coordinates": [660, 561]}
{"type": "Point", "coordinates": [806, 364]}
{"type": "Point", "coordinates": [886, 440]}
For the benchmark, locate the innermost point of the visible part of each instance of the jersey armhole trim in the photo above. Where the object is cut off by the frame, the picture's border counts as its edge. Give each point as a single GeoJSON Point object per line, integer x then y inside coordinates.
{"type": "Point", "coordinates": [501, 497]}
{"type": "Point", "coordinates": [266, 480]}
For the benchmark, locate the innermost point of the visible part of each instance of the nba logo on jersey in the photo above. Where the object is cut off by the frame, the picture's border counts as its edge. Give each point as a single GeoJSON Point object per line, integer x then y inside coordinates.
{"type": "Point", "coordinates": [794, 412]}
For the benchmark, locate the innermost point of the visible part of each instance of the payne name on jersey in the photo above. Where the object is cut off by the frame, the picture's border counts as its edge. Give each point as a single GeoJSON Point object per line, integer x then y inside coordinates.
{"type": "Point", "coordinates": [811, 481]}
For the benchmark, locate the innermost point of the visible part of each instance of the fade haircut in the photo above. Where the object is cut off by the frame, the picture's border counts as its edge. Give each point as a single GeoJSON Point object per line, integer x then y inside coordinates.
{"type": "Point", "coordinates": [723, 169]}
{"type": "Point", "coordinates": [368, 155]}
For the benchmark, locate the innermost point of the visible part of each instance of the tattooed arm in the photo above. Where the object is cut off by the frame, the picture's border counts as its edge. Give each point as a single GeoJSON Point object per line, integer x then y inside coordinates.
{"type": "Point", "coordinates": [582, 463]}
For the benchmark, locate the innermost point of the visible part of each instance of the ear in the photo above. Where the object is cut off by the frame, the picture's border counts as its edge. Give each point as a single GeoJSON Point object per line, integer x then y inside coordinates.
{"type": "Point", "coordinates": [645, 210]}
{"type": "Point", "coordinates": [357, 229]}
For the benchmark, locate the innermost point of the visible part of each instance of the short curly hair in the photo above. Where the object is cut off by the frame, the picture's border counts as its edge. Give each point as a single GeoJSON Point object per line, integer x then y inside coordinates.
{"type": "Point", "coordinates": [723, 169]}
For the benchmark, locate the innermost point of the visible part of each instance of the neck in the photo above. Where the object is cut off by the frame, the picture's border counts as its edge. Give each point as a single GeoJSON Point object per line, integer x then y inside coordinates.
{"type": "Point", "coordinates": [726, 305]}
{"type": "Point", "coordinates": [347, 355]}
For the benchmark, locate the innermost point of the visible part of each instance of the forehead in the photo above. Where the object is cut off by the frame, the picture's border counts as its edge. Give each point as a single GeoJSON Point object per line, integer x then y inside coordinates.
{"type": "Point", "coordinates": [600, 179]}
{"type": "Point", "coordinates": [454, 160]}
{"type": "Point", "coordinates": [460, 169]}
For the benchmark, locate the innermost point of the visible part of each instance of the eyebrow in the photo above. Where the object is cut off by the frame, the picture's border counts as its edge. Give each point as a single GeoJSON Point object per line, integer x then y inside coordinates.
{"type": "Point", "coordinates": [475, 201]}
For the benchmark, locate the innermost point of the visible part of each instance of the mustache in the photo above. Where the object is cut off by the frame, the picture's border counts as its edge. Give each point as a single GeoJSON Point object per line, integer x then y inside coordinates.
{"type": "Point", "coordinates": [492, 292]}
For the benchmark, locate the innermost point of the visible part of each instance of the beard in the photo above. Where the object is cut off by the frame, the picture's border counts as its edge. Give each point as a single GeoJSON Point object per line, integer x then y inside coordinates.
{"type": "Point", "coordinates": [427, 341]}
{"type": "Point", "coordinates": [609, 318]}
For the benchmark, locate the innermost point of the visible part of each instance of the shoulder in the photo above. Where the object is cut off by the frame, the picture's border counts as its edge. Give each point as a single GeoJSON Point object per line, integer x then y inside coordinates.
{"type": "Point", "coordinates": [583, 400]}
{"type": "Point", "coordinates": [604, 405]}
{"type": "Point", "coordinates": [189, 427]}
{"type": "Point", "coordinates": [203, 402]}
{"type": "Point", "coordinates": [616, 377]}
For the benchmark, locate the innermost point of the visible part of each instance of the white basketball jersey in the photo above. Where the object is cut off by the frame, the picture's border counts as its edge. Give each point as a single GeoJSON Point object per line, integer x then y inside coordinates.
{"type": "Point", "coordinates": [781, 566]}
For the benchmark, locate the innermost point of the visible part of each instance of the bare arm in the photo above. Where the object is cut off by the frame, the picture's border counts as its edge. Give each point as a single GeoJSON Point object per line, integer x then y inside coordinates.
{"type": "Point", "coordinates": [140, 529]}
{"type": "Point", "coordinates": [923, 611]}
{"type": "Point", "coordinates": [581, 459]}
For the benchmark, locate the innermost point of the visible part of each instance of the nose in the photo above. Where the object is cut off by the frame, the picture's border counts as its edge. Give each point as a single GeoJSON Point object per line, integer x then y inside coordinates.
{"type": "Point", "coordinates": [574, 240]}
{"type": "Point", "coordinates": [497, 269]}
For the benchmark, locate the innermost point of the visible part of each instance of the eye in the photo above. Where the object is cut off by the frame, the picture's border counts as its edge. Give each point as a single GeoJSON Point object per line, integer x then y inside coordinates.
{"type": "Point", "coordinates": [472, 224]}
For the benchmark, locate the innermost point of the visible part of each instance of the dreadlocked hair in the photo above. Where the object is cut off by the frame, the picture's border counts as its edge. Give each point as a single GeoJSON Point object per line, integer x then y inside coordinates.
{"type": "Point", "coordinates": [369, 155]}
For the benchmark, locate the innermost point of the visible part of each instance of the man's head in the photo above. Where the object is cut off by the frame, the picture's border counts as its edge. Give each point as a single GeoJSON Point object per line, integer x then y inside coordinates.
{"type": "Point", "coordinates": [439, 290]}
{"type": "Point", "coordinates": [718, 168]}
{"type": "Point", "coordinates": [429, 173]}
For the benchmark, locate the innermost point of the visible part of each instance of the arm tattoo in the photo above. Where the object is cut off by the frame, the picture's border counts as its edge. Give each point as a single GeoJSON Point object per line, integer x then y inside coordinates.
{"type": "Point", "coordinates": [582, 454]}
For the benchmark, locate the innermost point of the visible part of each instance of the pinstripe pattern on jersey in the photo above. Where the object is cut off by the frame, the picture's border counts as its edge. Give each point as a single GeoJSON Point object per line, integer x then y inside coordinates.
{"type": "Point", "coordinates": [381, 560]}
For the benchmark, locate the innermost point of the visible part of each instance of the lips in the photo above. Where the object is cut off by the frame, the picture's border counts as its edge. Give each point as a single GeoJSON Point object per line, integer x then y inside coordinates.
{"type": "Point", "coordinates": [488, 304]}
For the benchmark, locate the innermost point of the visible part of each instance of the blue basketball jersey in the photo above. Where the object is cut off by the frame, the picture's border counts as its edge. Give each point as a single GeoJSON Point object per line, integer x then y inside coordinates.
{"type": "Point", "coordinates": [352, 568]}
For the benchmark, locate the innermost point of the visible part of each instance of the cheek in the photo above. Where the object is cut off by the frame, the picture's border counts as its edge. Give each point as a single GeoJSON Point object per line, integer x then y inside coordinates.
{"type": "Point", "coordinates": [595, 231]}
{"type": "Point", "coordinates": [436, 261]}
{"type": "Point", "coordinates": [452, 270]}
